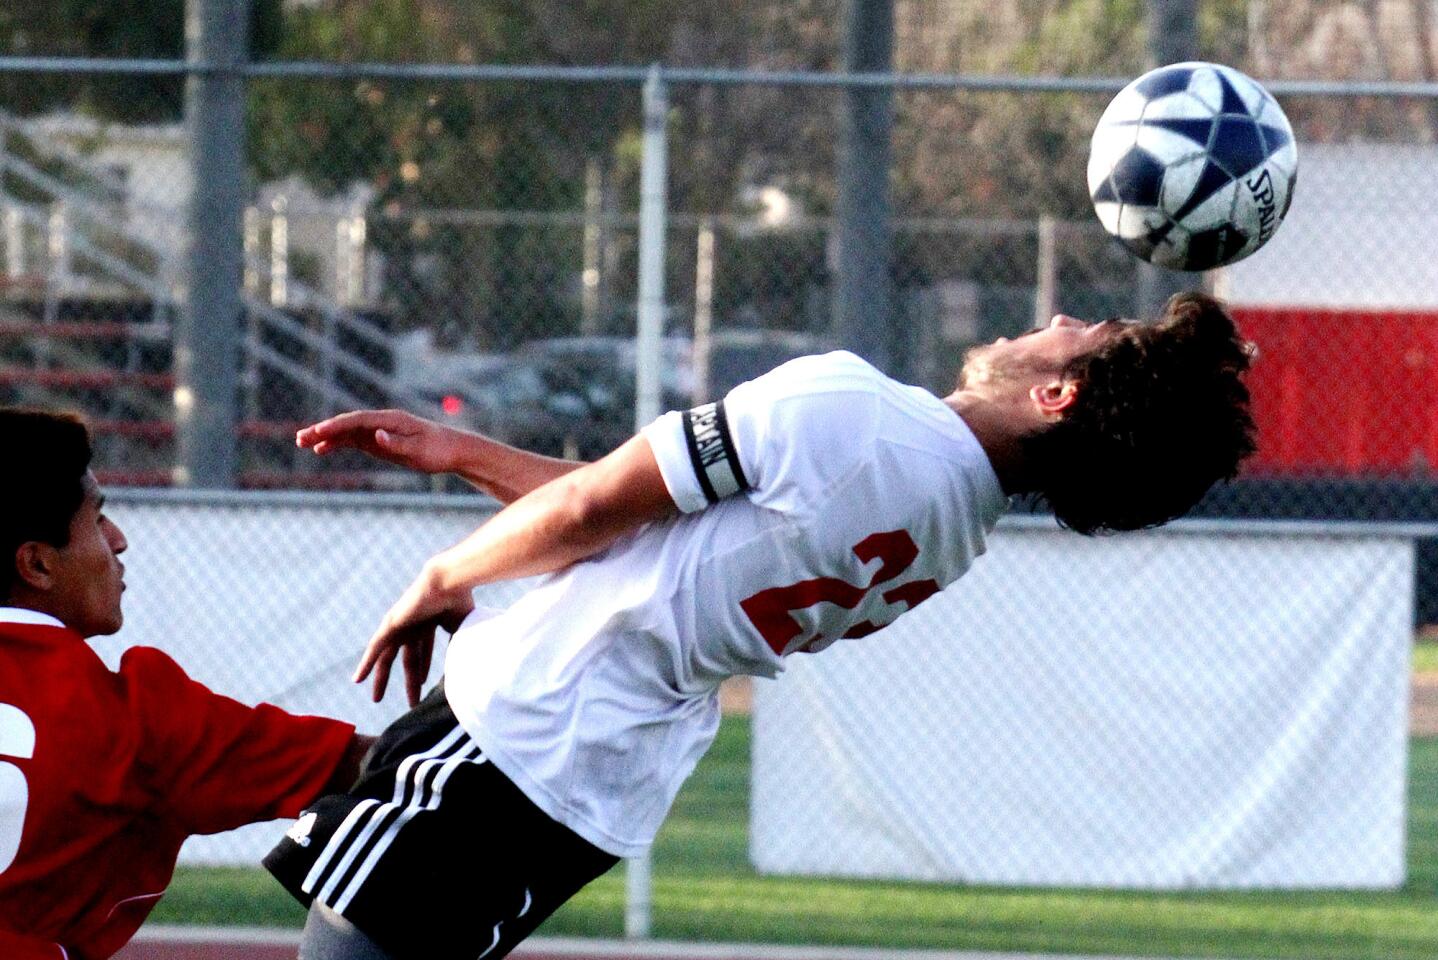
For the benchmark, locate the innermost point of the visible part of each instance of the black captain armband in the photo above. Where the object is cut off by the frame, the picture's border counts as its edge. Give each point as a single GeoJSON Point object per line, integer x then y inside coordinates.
{"type": "Point", "coordinates": [712, 452]}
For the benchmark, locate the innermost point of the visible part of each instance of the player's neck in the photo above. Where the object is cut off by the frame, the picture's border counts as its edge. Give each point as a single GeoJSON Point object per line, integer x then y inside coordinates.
{"type": "Point", "coordinates": [998, 431]}
{"type": "Point", "coordinates": [34, 601]}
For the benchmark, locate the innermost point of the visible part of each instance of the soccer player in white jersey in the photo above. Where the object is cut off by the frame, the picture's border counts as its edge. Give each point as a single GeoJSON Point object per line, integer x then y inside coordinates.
{"type": "Point", "coordinates": [815, 503]}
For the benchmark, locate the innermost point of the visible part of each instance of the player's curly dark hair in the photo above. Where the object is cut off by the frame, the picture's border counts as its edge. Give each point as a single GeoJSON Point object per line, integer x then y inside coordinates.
{"type": "Point", "coordinates": [1160, 416]}
{"type": "Point", "coordinates": [43, 483]}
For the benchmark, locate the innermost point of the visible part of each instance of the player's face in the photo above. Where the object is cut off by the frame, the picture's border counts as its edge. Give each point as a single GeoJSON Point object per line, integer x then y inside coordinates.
{"type": "Point", "coordinates": [88, 577]}
{"type": "Point", "coordinates": [1043, 350]}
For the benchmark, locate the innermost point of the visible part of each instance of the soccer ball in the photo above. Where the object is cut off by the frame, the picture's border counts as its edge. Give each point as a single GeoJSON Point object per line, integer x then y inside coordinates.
{"type": "Point", "coordinates": [1192, 166]}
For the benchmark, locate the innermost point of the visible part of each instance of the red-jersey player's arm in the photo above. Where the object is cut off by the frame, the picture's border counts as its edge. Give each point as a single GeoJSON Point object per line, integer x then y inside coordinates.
{"type": "Point", "coordinates": [217, 763]}
{"type": "Point", "coordinates": [14, 946]}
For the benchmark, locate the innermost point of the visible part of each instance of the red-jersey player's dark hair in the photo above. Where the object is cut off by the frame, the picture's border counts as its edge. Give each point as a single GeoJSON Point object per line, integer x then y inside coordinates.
{"type": "Point", "coordinates": [42, 484]}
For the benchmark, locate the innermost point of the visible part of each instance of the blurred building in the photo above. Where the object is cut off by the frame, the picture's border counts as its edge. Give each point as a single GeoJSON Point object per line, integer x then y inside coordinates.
{"type": "Point", "coordinates": [1343, 303]}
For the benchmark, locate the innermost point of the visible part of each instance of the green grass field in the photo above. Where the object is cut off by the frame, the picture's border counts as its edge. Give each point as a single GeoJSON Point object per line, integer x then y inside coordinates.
{"type": "Point", "coordinates": [704, 889]}
{"type": "Point", "coordinates": [1425, 657]}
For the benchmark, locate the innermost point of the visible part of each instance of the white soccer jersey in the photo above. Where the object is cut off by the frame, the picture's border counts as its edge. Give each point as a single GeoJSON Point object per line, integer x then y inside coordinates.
{"type": "Point", "coordinates": [820, 501]}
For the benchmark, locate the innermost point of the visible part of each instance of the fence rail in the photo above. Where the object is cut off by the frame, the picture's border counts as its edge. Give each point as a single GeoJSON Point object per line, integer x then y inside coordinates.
{"type": "Point", "coordinates": [470, 73]}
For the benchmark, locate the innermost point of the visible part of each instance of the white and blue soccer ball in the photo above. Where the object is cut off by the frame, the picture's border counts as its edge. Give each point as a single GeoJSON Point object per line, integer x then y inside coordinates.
{"type": "Point", "coordinates": [1192, 166]}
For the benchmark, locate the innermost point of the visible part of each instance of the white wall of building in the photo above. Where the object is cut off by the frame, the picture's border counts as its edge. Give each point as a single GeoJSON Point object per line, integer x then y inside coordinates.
{"type": "Point", "coordinates": [1360, 233]}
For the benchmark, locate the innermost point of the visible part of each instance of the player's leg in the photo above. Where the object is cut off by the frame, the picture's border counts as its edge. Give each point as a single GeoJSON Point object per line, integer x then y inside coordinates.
{"type": "Point", "coordinates": [434, 853]}
{"type": "Point", "coordinates": [329, 936]}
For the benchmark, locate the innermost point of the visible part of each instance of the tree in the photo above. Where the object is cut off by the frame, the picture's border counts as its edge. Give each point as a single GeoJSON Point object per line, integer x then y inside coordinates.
{"type": "Point", "coordinates": [145, 29]}
{"type": "Point", "coordinates": [1365, 40]}
{"type": "Point", "coordinates": [441, 158]}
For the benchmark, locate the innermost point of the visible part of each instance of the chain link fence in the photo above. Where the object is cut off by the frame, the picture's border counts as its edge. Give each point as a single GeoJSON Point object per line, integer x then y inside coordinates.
{"type": "Point", "coordinates": [468, 246]}
{"type": "Point", "coordinates": [1155, 716]}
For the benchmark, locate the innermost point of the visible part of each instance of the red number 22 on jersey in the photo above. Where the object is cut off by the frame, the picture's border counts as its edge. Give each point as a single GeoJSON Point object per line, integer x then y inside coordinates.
{"type": "Point", "coordinates": [771, 611]}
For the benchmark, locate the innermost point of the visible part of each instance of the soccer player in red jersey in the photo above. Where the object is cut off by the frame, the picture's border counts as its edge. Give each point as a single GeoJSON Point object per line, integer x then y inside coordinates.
{"type": "Point", "coordinates": [104, 774]}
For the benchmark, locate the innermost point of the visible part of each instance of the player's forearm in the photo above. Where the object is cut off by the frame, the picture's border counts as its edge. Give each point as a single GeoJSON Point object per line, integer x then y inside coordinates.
{"type": "Point", "coordinates": [541, 532]}
{"type": "Point", "coordinates": [574, 516]}
{"type": "Point", "coordinates": [505, 473]}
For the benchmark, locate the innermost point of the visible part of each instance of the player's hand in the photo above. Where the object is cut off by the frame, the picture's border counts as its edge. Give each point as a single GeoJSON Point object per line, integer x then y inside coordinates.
{"type": "Point", "coordinates": [408, 630]}
{"type": "Point", "coordinates": [392, 435]}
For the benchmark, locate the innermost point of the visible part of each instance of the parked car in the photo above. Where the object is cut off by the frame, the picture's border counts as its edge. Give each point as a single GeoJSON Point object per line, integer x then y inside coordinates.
{"type": "Point", "coordinates": [575, 396]}
{"type": "Point", "coordinates": [743, 354]}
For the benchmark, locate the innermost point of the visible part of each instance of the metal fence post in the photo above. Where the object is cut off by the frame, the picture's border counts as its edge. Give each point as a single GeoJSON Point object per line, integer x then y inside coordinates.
{"type": "Point", "coordinates": [58, 261]}
{"type": "Point", "coordinates": [653, 220]}
{"type": "Point", "coordinates": [15, 260]}
{"type": "Point", "coordinates": [1046, 289]}
{"type": "Point", "coordinates": [279, 252]}
{"type": "Point", "coordinates": [350, 238]}
{"type": "Point", "coordinates": [863, 285]}
{"type": "Point", "coordinates": [14, 225]}
{"type": "Point", "coordinates": [209, 329]}
{"type": "Point", "coordinates": [593, 248]}
{"type": "Point", "coordinates": [1172, 38]}
{"type": "Point", "coordinates": [8, 213]}
{"type": "Point", "coordinates": [704, 312]}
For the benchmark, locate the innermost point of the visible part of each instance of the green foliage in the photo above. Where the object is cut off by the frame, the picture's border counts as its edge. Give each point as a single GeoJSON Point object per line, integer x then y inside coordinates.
{"type": "Point", "coordinates": [20, 147]}
{"type": "Point", "coordinates": [424, 151]}
{"type": "Point", "coordinates": [769, 278]}
{"type": "Point", "coordinates": [1086, 37]}
{"type": "Point", "coordinates": [1425, 657]}
{"type": "Point", "coordinates": [1223, 31]}
{"type": "Point", "coordinates": [1022, 157]}
{"type": "Point", "coordinates": [143, 29]}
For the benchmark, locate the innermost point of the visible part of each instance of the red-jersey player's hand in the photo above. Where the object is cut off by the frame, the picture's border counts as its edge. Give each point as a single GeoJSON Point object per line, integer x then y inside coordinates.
{"type": "Point", "coordinates": [409, 628]}
{"type": "Point", "coordinates": [392, 435]}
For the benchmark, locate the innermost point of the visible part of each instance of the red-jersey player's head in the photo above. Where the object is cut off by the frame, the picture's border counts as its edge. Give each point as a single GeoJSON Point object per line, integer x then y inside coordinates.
{"type": "Point", "coordinates": [61, 551]}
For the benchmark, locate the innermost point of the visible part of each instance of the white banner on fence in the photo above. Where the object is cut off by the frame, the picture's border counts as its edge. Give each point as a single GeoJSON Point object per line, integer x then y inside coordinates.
{"type": "Point", "coordinates": [273, 598]}
{"type": "Point", "coordinates": [1165, 710]}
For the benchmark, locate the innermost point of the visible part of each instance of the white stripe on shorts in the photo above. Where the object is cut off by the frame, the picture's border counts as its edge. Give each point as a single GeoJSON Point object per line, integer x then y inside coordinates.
{"type": "Point", "coordinates": [336, 844]}
{"type": "Point", "coordinates": [528, 900]}
{"type": "Point", "coordinates": [340, 844]}
{"type": "Point", "coordinates": [427, 798]}
{"type": "Point", "coordinates": [412, 773]}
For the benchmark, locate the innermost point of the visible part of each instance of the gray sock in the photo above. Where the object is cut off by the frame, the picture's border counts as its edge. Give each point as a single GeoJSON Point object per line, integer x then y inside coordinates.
{"type": "Point", "coordinates": [329, 936]}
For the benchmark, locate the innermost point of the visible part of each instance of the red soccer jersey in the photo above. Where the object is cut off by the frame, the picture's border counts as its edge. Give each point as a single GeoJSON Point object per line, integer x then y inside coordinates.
{"type": "Point", "coordinates": [103, 775]}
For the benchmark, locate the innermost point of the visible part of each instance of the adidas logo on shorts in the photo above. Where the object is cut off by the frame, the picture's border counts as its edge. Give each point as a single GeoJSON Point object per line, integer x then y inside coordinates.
{"type": "Point", "coordinates": [300, 832]}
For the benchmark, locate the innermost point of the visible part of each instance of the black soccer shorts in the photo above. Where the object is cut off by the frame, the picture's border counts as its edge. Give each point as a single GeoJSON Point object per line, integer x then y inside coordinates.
{"type": "Point", "coordinates": [434, 853]}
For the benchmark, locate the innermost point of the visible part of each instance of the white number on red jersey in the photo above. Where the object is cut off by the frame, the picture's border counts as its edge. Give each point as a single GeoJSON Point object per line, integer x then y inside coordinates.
{"type": "Point", "coordinates": [17, 739]}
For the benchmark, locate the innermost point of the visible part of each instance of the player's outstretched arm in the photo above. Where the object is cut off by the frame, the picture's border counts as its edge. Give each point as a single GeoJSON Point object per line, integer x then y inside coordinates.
{"type": "Point", "coordinates": [574, 516]}
{"type": "Point", "coordinates": [395, 436]}
{"type": "Point", "coordinates": [349, 766]}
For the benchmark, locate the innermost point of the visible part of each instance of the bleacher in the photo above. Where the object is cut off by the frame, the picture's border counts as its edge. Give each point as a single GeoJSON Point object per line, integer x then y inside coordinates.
{"type": "Point", "coordinates": [88, 318]}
